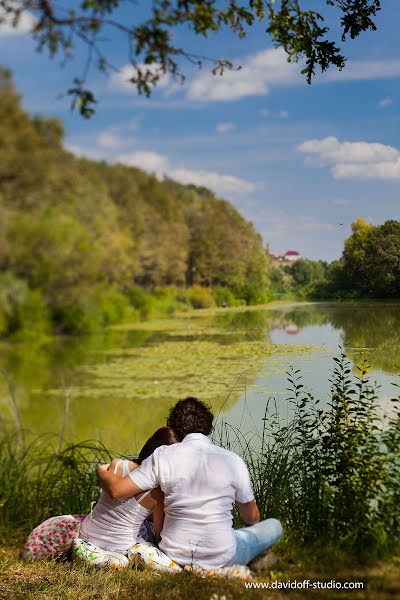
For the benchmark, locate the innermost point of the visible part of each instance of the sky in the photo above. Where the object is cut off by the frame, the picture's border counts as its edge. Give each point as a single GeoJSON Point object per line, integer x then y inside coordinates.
{"type": "Point", "coordinates": [301, 162]}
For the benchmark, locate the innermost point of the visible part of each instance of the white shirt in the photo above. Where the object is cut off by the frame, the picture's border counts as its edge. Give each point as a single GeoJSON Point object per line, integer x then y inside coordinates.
{"type": "Point", "coordinates": [200, 481]}
{"type": "Point", "coordinates": [112, 524]}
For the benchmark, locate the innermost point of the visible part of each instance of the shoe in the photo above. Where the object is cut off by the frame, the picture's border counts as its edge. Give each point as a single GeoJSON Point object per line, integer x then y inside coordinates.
{"type": "Point", "coordinates": [264, 562]}
{"type": "Point", "coordinates": [89, 553]}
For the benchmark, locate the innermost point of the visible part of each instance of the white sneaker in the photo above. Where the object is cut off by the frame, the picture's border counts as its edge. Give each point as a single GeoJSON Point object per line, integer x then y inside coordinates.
{"type": "Point", "coordinates": [91, 554]}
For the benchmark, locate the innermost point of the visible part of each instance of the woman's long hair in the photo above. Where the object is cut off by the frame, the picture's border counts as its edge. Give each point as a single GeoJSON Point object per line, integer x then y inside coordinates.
{"type": "Point", "coordinates": [165, 436]}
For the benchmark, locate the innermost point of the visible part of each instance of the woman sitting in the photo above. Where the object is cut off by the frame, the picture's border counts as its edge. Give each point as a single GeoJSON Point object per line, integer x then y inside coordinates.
{"type": "Point", "coordinates": [113, 527]}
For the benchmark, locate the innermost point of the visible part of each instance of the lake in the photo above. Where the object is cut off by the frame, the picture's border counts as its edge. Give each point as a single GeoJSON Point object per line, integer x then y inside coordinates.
{"type": "Point", "coordinates": [117, 387]}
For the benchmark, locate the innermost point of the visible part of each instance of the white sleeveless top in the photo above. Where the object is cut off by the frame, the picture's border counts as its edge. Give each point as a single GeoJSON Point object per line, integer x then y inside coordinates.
{"type": "Point", "coordinates": [114, 524]}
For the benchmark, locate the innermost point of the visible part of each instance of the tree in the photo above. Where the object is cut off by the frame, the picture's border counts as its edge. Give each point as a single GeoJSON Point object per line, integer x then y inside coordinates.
{"type": "Point", "coordinates": [152, 47]}
{"type": "Point", "coordinates": [371, 259]}
{"type": "Point", "coordinates": [305, 272]}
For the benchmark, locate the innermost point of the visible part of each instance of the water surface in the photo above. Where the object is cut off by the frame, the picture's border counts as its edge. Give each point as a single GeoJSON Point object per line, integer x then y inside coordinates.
{"type": "Point", "coordinates": [117, 387]}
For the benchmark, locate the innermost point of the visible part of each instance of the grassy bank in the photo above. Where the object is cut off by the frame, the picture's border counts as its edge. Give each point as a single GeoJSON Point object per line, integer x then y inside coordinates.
{"type": "Point", "coordinates": [68, 581]}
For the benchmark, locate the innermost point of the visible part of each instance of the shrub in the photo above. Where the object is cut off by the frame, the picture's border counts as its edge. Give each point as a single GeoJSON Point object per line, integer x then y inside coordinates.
{"type": "Point", "coordinates": [223, 296]}
{"type": "Point", "coordinates": [331, 475]}
{"type": "Point", "coordinates": [88, 310]}
{"type": "Point", "coordinates": [200, 297]}
{"type": "Point", "coordinates": [22, 311]}
{"type": "Point", "coordinates": [252, 293]}
{"type": "Point", "coordinates": [141, 300]}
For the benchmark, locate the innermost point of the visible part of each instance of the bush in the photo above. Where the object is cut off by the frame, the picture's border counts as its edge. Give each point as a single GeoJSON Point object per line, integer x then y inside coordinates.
{"type": "Point", "coordinates": [141, 300]}
{"type": "Point", "coordinates": [22, 311]}
{"type": "Point", "coordinates": [91, 310]}
{"type": "Point", "coordinates": [252, 294]}
{"type": "Point", "coordinates": [200, 297]}
{"type": "Point", "coordinates": [332, 476]}
{"type": "Point", "coordinates": [223, 296]}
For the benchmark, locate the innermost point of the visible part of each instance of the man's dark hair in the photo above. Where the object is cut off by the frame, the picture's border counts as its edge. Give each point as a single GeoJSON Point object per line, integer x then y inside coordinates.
{"type": "Point", "coordinates": [190, 416]}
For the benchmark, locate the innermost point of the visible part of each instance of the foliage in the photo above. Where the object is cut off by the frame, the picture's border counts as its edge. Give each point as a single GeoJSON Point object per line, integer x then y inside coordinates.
{"type": "Point", "coordinates": [332, 476]}
{"type": "Point", "coordinates": [71, 227]}
{"type": "Point", "coordinates": [371, 260]}
{"type": "Point", "coordinates": [46, 479]}
{"type": "Point", "coordinates": [200, 297]}
{"type": "Point", "coordinates": [21, 309]}
{"type": "Point", "coordinates": [252, 293]}
{"type": "Point", "coordinates": [154, 51]}
{"type": "Point", "coordinates": [306, 274]}
{"type": "Point", "coordinates": [369, 268]}
{"type": "Point", "coordinates": [223, 296]}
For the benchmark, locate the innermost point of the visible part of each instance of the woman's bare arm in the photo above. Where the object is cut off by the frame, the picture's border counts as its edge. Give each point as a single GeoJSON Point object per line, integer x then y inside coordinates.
{"type": "Point", "coordinates": [158, 511]}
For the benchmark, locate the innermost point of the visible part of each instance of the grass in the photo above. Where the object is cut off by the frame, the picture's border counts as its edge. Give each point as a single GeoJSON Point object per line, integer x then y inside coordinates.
{"type": "Point", "coordinates": [67, 581]}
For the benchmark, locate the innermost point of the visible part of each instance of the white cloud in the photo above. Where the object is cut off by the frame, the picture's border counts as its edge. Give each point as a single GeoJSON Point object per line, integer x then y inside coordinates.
{"type": "Point", "coordinates": [225, 127]}
{"type": "Point", "coordinates": [256, 73]}
{"type": "Point", "coordinates": [385, 102]}
{"type": "Point", "coordinates": [161, 167]}
{"type": "Point", "coordinates": [110, 140]}
{"type": "Point", "coordinates": [84, 152]}
{"type": "Point", "coordinates": [264, 113]}
{"type": "Point", "coordinates": [25, 24]}
{"type": "Point", "coordinates": [331, 150]}
{"type": "Point", "coordinates": [283, 114]}
{"type": "Point", "coordinates": [221, 184]}
{"type": "Point", "coordinates": [358, 70]}
{"type": "Point", "coordinates": [353, 160]}
{"type": "Point", "coordinates": [381, 170]}
{"type": "Point", "coordinates": [120, 81]}
{"type": "Point", "coordinates": [144, 159]}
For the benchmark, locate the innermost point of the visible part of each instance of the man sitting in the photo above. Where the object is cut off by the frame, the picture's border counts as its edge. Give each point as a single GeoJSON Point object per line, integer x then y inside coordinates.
{"type": "Point", "coordinates": [200, 482]}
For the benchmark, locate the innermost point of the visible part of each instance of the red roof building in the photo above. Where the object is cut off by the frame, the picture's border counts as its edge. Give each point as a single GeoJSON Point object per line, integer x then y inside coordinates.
{"type": "Point", "coordinates": [292, 255]}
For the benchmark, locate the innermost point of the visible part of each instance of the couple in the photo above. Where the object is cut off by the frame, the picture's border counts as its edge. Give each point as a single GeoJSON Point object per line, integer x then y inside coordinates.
{"type": "Point", "coordinates": [190, 486]}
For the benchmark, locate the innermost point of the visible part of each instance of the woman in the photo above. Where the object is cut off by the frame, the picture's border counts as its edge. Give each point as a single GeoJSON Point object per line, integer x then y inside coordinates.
{"type": "Point", "coordinates": [112, 528]}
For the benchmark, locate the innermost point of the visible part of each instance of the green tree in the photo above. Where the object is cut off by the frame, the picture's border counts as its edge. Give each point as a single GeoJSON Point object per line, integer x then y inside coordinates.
{"type": "Point", "coordinates": [78, 236]}
{"type": "Point", "coordinates": [154, 49]}
{"type": "Point", "coordinates": [370, 264]}
{"type": "Point", "coordinates": [305, 272]}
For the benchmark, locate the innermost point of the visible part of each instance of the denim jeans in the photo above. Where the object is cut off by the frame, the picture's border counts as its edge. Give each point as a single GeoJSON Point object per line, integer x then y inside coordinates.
{"type": "Point", "coordinates": [252, 541]}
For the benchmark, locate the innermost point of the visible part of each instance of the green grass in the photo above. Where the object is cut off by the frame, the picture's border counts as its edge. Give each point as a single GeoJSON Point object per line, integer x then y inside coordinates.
{"type": "Point", "coordinates": [20, 580]}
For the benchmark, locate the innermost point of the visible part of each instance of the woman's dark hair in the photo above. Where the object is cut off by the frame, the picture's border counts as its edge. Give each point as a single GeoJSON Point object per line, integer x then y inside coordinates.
{"type": "Point", "coordinates": [190, 416]}
{"type": "Point", "coordinates": [165, 436]}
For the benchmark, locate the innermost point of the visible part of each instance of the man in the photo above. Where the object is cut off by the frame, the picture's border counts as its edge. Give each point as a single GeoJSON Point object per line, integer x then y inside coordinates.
{"type": "Point", "coordinates": [200, 482]}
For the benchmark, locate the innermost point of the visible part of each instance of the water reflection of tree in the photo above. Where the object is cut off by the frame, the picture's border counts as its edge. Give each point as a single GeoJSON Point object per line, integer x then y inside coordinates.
{"type": "Point", "coordinates": [369, 327]}
{"type": "Point", "coordinates": [36, 367]}
{"type": "Point", "coordinates": [374, 327]}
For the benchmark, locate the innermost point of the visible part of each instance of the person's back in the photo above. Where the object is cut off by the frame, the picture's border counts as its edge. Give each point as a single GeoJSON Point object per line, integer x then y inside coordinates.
{"type": "Point", "coordinates": [200, 481]}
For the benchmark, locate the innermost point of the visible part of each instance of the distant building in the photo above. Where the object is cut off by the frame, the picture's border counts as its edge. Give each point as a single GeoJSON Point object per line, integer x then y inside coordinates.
{"type": "Point", "coordinates": [291, 256]}
{"type": "Point", "coordinates": [274, 255]}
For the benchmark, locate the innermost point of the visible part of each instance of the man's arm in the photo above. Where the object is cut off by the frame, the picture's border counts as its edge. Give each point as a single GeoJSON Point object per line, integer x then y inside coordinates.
{"type": "Point", "coordinates": [249, 512]}
{"type": "Point", "coordinates": [118, 488]}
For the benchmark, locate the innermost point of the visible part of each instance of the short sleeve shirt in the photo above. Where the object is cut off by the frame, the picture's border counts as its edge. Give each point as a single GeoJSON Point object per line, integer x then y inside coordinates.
{"type": "Point", "coordinates": [201, 482]}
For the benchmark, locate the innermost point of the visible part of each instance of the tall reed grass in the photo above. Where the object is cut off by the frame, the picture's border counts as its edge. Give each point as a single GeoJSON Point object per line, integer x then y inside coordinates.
{"type": "Point", "coordinates": [331, 475]}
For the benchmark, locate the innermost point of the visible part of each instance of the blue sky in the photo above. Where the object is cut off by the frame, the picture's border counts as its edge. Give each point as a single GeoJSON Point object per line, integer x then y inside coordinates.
{"type": "Point", "coordinates": [301, 162]}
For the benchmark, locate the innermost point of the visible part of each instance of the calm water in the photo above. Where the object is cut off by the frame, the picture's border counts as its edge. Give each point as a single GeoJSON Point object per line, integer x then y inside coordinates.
{"type": "Point", "coordinates": [118, 387]}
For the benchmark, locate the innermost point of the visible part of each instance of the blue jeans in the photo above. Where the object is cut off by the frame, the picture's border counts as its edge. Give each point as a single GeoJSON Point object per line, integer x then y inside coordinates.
{"type": "Point", "coordinates": [254, 540]}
